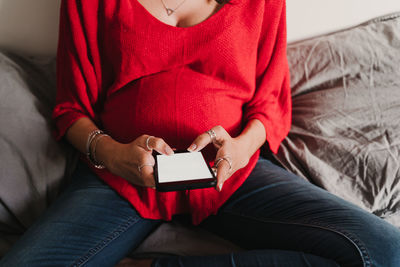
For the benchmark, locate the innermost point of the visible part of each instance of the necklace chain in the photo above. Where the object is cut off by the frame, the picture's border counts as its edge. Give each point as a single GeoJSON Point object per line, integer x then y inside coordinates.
{"type": "Point", "coordinates": [171, 10]}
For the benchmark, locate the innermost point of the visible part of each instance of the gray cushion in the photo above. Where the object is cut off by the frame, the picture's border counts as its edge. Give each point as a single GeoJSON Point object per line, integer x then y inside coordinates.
{"type": "Point", "coordinates": [32, 164]}
{"type": "Point", "coordinates": [345, 135]}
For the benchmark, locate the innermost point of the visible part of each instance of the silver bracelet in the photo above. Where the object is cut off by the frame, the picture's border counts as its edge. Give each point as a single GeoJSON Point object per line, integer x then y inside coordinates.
{"type": "Point", "coordinates": [89, 141]}
{"type": "Point", "coordinates": [96, 163]}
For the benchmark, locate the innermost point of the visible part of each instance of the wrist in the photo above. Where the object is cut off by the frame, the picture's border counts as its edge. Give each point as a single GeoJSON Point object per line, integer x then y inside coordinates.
{"type": "Point", "coordinates": [252, 137]}
{"type": "Point", "coordinates": [105, 149]}
{"type": "Point", "coordinates": [245, 145]}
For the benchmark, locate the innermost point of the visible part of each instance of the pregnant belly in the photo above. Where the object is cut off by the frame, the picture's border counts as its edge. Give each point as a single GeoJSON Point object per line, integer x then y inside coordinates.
{"type": "Point", "coordinates": [174, 109]}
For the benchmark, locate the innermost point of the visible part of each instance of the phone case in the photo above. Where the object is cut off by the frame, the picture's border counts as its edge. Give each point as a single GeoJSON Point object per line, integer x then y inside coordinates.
{"type": "Point", "coordinates": [183, 185]}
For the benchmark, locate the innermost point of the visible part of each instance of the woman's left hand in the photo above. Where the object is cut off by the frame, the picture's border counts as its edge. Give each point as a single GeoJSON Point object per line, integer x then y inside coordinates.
{"type": "Point", "coordinates": [232, 154]}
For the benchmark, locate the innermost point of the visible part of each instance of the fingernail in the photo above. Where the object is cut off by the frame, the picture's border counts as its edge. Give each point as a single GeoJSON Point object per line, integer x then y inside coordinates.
{"type": "Point", "coordinates": [169, 151]}
{"type": "Point", "coordinates": [220, 187]}
{"type": "Point", "coordinates": [192, 147]}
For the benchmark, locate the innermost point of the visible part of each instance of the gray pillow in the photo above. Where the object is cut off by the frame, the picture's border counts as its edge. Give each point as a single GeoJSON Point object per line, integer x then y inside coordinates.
{"type": "Point", "coordinates": [345, 135]}
{"type": "Point", "coordinates": [32, 164]}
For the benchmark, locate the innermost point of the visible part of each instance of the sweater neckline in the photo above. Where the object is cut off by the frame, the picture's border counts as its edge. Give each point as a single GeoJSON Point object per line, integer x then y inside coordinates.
{"type": "Point", "coordinates": [203, 23]}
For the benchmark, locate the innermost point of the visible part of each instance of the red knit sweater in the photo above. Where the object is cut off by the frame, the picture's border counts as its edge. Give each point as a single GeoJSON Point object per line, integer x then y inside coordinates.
{"type": "Point", "coordinates": [133, 74]}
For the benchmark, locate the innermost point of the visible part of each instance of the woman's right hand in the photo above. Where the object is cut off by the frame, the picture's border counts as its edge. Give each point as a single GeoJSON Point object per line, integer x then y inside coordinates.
{"type": "Point", "coordinates": [133, 161]}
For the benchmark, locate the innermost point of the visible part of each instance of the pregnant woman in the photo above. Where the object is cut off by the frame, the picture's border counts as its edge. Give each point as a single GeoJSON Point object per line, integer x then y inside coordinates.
{"type": "Point", "coordinates": [137, 76]}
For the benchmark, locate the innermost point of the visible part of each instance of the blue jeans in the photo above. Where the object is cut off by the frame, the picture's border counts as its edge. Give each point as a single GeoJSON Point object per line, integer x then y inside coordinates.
{"type": "Point", "coordinates": [280, 218]}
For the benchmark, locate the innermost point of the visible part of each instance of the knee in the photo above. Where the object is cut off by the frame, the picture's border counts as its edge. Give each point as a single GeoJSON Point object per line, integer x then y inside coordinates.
{"type": "Point", "coordinates": [390, 253]}
{"type": "Point", "coordinates": [384, 249]}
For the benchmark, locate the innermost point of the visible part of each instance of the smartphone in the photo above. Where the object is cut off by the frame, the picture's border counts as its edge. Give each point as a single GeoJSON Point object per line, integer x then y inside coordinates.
{"type": "Point", "coordinates": [182, 171]}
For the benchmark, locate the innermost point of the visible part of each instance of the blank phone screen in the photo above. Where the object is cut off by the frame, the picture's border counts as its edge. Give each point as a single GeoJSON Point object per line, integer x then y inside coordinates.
{"type": "Point", "coordinates": [182, 167]}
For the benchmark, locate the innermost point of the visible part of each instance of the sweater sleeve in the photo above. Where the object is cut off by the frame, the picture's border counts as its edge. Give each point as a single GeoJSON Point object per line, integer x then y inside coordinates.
{"type": "Point", "coordinates": [78, 71]}
{"type": "Point", "coordinates": [271, 103]}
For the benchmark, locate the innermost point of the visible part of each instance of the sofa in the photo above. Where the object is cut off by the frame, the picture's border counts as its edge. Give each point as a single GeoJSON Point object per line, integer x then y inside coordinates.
{"type": "Point", "coordinates": [345, 135]}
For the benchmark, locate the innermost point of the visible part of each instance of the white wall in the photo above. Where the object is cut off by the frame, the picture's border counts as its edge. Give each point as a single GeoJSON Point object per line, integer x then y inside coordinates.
{"type": "Point", "coordinates": [30, 26]}
{"type": "Point", "coordinates": [307, 18]}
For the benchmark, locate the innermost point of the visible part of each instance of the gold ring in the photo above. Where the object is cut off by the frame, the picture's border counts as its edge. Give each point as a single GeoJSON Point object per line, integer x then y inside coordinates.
{"type": "Point", "coordinates": [147, 143]}
{"type": "Point", "coordinates": [227, 159]}
{"type": "Point", "coordinates": [212, 135]}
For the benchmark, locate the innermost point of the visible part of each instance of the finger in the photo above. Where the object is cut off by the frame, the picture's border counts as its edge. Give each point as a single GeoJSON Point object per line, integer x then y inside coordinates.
{"type": "Point", "coordinates": [147, 176]}
{"type": "Point", "coordinates": [159, 145]}
{"type": "Point", "coordinates": [145, 170]}
{"type": "Point", "coordinates": [222, 173]}
{"type": "Point", "coordinates": [205, 138]}
{"type": "Point", "coordinates": [200, 142]}
{"type": "Point", "coordinates": [223, 163]}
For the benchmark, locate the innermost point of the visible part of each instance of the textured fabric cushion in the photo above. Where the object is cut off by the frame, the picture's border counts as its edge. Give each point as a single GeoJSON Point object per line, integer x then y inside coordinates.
{"type": "Point", "coordinates": [32, 164]}
{"type": "Point", "coordinates": [345, 135]}
{"type": "Point", "coordinates": [180, 238]}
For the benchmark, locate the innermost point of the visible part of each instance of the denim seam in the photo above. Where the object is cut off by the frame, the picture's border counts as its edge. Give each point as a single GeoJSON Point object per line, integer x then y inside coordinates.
{"type": "Point", "coordinates": [112, 236]}
{"type": "Point", "coordinates": [356, 242]}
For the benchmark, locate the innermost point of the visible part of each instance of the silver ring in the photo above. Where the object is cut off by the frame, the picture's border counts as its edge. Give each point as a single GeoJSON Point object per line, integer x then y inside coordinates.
{"type": "Point", "coordinates": [140, 167]}
{"type": "Point", "coordinates": [227, 159]}
{"type": "Point", "coordinates": [147, 143]}
{"type": "Point", "coordinates": [212, 135]}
